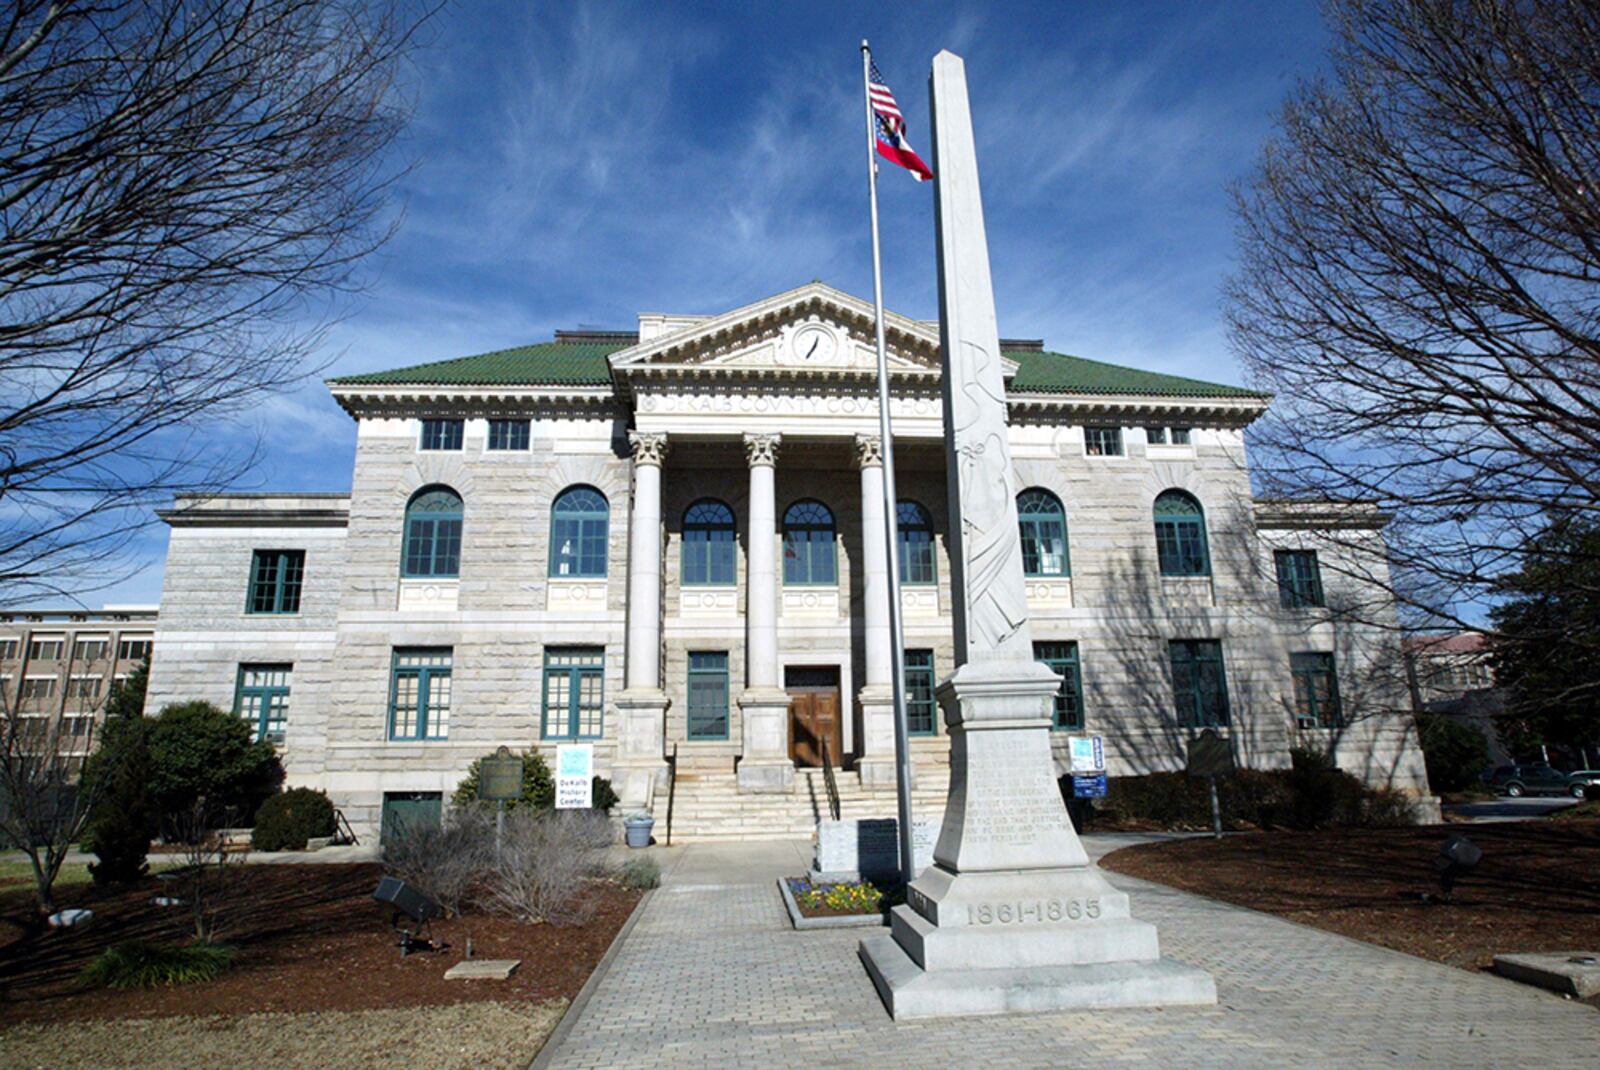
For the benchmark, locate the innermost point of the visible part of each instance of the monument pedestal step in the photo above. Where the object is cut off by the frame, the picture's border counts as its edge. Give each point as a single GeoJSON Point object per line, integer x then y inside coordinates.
{"type": "Point", "coordinates": [909, 991]}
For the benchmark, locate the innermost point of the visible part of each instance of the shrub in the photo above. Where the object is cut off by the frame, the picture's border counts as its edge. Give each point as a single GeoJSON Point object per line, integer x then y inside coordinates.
{"type": "Point", "coordinates": [1456, 754]}
{"type": "Point", "coordinates": [286, 822]}
{"type": "Point", "coordinates": [198, 751]}
{"type": "Point", "coordinates": [1257, 797]}
{"type": "Point", "coordinates": [546, 862]}
{"type": "Point", "coordinates": [604, 796]}
{"type": "Point", "coordinates": [123, 820]}
{"type": "Point", "coordinates": [442, 860]}
{"type": "Point", "coordinates": [1386, 808]}
{"type": "Point", "coordinates": [1321, 794]}
{"type": "Point", "coordinates": [538, 788]}
{"type": "Point", "coordinates": [640, 874]}
{"type": "Point", "coordinates": [135, 964]}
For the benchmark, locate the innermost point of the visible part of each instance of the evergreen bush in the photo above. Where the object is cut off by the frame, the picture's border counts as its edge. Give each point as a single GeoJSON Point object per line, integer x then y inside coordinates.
{"type": "Point", "coordinates": [538, 787]}
{"type": "Point", "coordinates": [286, 822]}
{"type": "Point", "coordinates": [135, 964]}
{"type": "Point", "coordinates": [1456, 754]}
{"type": "Point", "coordinates": [198, 751]}
{"type": "Point", "coordinates": [124, 819]}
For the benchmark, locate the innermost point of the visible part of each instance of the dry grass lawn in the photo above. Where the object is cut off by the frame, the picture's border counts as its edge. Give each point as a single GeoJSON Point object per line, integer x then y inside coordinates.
{"type": "Point", "coordinates": [469, 1036]}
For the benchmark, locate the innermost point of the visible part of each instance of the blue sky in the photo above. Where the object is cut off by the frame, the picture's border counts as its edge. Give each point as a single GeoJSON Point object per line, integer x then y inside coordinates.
{"type": "Point", "coordinates": [574, 164]}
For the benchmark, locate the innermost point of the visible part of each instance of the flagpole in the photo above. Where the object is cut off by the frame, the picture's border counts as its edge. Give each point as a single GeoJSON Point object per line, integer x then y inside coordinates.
{"type": "Point", "coordinates": [891, 523]}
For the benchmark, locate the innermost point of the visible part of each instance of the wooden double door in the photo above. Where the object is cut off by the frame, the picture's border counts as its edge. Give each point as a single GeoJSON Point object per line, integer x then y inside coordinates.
{"type": "Point", "coordinates": [814, 717]}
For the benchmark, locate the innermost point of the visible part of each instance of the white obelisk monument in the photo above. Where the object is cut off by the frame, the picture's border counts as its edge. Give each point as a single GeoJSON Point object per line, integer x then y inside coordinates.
{"type": "Point", "coordinates": [1011, 916]}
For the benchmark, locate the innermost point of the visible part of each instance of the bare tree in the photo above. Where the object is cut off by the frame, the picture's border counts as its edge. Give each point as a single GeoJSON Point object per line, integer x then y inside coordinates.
{"type": "Point", "coordinates": [44, 803]}
{"type": "Point", "coordinates": [1420, 285]}
{"type": "Point", "coordinates": [185, 191]}
{"type": "Point", "coordinates": [206, 878]}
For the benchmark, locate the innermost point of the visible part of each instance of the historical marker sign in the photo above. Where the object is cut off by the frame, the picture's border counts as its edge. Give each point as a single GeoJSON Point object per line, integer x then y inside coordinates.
{"type": "Point", "coordinates": [574, 776]}
{"type": "Point", "coordinates": [1210, 755]}
{"type": "Point", "coordinates": [500, 777]}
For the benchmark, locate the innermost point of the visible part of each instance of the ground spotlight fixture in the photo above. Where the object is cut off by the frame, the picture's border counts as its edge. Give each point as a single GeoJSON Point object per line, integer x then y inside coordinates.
{"type": "Point", "coordinates": [409, 903]}
{"type": "Point", "coordinates": [1458, 857]}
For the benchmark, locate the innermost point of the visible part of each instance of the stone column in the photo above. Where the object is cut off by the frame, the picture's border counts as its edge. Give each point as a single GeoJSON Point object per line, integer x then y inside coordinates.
{"type": "Point", "coordinates": [1011, 915]}
{"type": "Point", "coordinates": [642, 706]}
{"type": "Point", "coordinates": [876, 760]}
{"type": "Point", "coordinates": [764, 765]}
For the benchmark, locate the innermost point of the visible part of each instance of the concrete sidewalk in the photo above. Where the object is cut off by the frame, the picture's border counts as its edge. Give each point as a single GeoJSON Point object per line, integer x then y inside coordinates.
{"type": "Point", "coordinates": [712, 975]}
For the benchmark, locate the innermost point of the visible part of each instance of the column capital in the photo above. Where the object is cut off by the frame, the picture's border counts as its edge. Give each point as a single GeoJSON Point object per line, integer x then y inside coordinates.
{"type": "Point", "coordinates": [762, 449]}
{"type": "Point", "coordinates": [649, 447]}
{"type": "Point", "coordinates": [869, 451]}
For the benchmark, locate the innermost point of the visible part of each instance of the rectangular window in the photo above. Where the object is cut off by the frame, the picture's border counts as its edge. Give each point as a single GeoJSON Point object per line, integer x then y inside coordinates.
{"type": "Point", "coordinates": [1062, 659]}
{"type": "Point", "coordinates": [921, 706]}
{"type": "Point", "coordinates": [38, 688]}
{"type": "Point", "coordinates": [1198, 683]}
{"type": "Point", "coordinates": [708, 696]}
{"type": "Point", "coordinates": [275, 580]}
{"type": "Point", "coordinates": [8, 649]}
{"type": "Point", "coordinates": [79, 727]}
{"type": "Point", "coordinates": [262, 698]}
{"type": "Point", "coordinates": [419, 693]}
{"type": "Point", "coordinates": [1180, 436]}
{"type": "Point", "coordinates": [1299, 578]}
{"type": "Point", "coordinates": [84, 688]}
{"type": "Point", "coordinates": [442, 434]}
{"type": "Point", "coordinates": [133, 649]}
{"type": "Point", "coordinates": [1316, 691]}
{"type": "Point", "coordinates": [1156, 436]}
{"type": "Point", "coordinates": [574, 692]}
{"type": "Point", "coordinates": [508, 434]}
{"type": "Point", "coordinates": [90, 649]}
{"type": "Point", "coordinates": [1102, 441]}
{"type": "Point", "coordinates": [45, 650]}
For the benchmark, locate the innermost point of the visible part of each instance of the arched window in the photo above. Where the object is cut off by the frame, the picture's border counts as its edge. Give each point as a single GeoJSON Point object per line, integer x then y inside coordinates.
{"type": "Point", "coordinates": [808, 544]}
{"type": "Point", "coordinates": [1181, 535]}
{"type": "Point", "coordinates": [916, 544]}
{"type": "Point", "coordinates": [433, 534]}
{"type": "Point", "coordinates": [1044, 534]}
{"type": "Point", "coordinates": [580, 521]}
{"type": "Point", "coordinates": [708, 544]}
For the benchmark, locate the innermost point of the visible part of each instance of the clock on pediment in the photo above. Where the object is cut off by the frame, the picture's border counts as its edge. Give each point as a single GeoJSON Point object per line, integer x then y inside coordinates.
{"type": "Point", "coordinates": [813, 344]}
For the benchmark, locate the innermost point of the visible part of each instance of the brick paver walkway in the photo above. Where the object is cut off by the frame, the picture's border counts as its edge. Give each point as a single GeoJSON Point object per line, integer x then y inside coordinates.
{"type": "Point", "coordinates": [712, 975]}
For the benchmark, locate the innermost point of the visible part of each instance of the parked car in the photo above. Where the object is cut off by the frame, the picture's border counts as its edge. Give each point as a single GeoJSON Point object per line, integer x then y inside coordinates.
{"type": "Point", "coordinates": [1519, 780]}
{"type": "Point", "coordinates": [1581, 779]}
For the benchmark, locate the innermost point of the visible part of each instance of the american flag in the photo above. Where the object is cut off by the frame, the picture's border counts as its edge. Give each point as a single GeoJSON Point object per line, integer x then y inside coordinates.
{"type": "Point", "coordinates": [892, 143]}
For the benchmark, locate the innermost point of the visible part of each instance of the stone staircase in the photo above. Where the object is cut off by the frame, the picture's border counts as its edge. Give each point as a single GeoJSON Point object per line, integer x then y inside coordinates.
{"type": "Point", "coordinates": [709, 807]}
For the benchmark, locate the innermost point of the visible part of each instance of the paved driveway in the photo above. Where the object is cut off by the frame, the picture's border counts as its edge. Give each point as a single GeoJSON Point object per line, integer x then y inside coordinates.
{"type": "Point", "coordinates": [712, 975]}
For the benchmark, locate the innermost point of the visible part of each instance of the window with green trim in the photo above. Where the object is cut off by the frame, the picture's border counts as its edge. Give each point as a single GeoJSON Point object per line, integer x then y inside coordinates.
{"type": "Point", "coordinates": [1316, 691]}
{"type": "Point", "coordinates": [1198, 683]}
{"type": "Point", "coordinates": [1181, 535]}
{"type": "Point", "coordinates": [433, 534]}
{"type": "Point", "coordinates": [708, 695]}
{"type": "Point", "coordinates": [1299, 578]}
{"type": "Point", "coordinates": [808, 545]}
{"type": "Point", "coordinates": [574, 692]}
{"type": "Point", "coordinates": [508, 434]}
{"type": "Point", "coordinates": [1062, 659]}
{"type": "Point", "coordinates": [580, 529]}
{"type": "Point", "coordinates": [1044, 533]}
{"type": "Point", "coordinates": [708, 544]}
{"type": "Point", "coordinates": [442, 434]}
{"type": "Point", "coordinates": [1102, 441]}
{"type": "Point", "coordinates": [917, 563]}
{"type": "Point", "coordinates": [261, 697]}
{"type": "Point", "coordinates": [275, 580]}
{"type": "Point", "coordinates": [419, 693]}
{"type": "Point", "coordinates": [921, 706]}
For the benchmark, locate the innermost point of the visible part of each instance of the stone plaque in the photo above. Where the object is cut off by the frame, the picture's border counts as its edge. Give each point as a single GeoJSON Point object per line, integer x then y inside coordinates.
{"type": "Point", "coordinates": [869, 848]}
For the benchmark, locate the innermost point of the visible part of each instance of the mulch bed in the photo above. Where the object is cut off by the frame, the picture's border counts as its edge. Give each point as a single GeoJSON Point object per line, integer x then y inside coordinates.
{"type": "Point", "coordinates": [309, 938]}
{"type": "Point", "coordinates": [1537, 888]}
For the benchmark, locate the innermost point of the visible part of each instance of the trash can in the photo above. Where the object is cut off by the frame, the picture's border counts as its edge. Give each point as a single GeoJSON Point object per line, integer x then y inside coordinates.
{"type": "Point", "coordinates": [637, 829]}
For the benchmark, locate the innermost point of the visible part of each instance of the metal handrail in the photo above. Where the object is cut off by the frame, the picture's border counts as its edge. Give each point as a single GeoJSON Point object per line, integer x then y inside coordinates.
{"type": "Point", "coordinates": [828, 781]}
{"type": "Point", "coordinates": [672, 789]}
{"type": "Point", "coordinates": [342, 830]}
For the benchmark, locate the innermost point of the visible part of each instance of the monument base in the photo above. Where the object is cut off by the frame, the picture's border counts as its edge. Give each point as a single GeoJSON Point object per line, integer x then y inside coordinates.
{"type": "Point", "coordinates": [909, 991]}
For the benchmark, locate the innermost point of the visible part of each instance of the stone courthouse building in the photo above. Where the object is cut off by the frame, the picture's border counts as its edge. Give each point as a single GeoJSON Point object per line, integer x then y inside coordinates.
{"type": "Point", "coordinates": [671, 543]}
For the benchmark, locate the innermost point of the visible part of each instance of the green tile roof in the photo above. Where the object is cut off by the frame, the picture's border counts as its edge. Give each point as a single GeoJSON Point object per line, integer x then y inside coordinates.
{"type": "Point", "coordinates": [1057, 373]}
{"type": "Point", "coordinates": [544, 364]}
{"type": "Point", "coordinates": [567, 363]}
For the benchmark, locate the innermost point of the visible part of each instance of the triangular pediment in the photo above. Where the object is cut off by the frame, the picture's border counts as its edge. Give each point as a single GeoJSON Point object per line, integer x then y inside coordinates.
{"type": "Point", "coordinates": [811, 327]}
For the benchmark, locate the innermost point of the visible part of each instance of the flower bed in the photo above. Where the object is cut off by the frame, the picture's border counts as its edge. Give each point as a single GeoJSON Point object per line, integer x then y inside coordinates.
{"type": "Point", "coordinates": [826, 899]}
